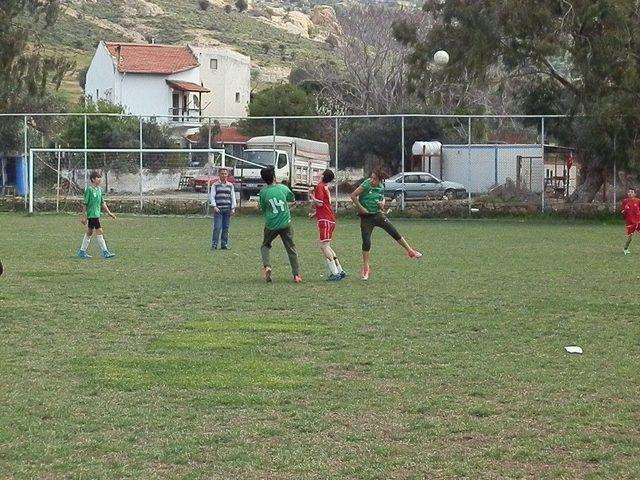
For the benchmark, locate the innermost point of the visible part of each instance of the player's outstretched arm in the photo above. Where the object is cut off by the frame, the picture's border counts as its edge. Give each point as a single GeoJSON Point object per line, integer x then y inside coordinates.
{"type": "Point", "coordinates": [106, 209]}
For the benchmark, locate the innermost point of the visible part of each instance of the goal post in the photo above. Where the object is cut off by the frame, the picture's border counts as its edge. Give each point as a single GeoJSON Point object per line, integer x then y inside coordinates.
{"type": "Point", "coordinates": [58, 176]}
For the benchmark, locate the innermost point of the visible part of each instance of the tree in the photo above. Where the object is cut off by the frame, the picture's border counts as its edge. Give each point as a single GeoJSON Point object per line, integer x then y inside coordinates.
{"type": "Point", "coordinates": [27, 73]}
{"type": "Point", "coordinates": [23, 67]}
{"type": "Point", "coordinates": [82, 77]}
{"type": "Point", "coordinates": [576, 58]}
{"type": "Point", "coordinates": [283, 100]}
{"type": "Point", "coordinates": [242, 5]}
{"type": "Point", "coordinates": [367, 74]}
{"type": "Point", "coordinates": [378, 141]}
{"type": "Point", "coordinates": [110, 132]}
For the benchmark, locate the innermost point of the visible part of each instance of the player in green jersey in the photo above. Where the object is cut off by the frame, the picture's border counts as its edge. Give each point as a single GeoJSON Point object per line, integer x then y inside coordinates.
{"type": "Point", "coordinates": [274, 205]}
{"type": "Point", "coordinates": [369, 199]}
{"type": "Point", "coordinates": [94, 202]}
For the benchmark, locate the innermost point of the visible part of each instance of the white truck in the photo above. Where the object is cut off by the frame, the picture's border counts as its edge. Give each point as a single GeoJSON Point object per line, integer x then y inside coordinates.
{"type": "Point", "coordinates": [297, 161]}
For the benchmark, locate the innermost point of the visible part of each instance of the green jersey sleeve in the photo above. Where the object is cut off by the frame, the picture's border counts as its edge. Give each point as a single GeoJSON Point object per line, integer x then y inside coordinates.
{"type": "Point", "coordinates": [290, 196]}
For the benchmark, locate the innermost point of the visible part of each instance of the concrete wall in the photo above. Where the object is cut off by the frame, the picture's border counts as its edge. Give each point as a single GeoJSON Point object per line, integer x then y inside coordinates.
{"type": "Point", "coordinates": [162, 180]}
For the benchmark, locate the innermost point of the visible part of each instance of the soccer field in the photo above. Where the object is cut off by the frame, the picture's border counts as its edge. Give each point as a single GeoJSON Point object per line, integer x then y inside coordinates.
{"type": "Point", "coordinates": [175, 361]}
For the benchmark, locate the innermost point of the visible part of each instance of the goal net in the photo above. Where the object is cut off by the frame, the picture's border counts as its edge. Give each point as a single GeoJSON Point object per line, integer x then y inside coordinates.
{"type": "Point", "coordinates": [130, 177]}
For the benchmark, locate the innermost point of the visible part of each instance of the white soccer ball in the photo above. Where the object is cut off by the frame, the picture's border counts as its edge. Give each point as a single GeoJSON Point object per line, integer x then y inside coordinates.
{"type": "Point", "coordinates": [441, 57]}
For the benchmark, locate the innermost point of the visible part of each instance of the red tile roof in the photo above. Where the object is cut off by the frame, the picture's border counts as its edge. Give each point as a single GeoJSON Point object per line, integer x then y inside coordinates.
{"type": "Point", "coordinates": [151, 58]}
{"type": "Point", "coordinates": [187, 86]}
{"type": "Point", "coordinates": [230, 135]}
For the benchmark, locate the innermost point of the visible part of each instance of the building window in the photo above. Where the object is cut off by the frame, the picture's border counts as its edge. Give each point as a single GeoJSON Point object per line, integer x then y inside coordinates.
{"type": "Point", "coordinates": [237, 97]}
{"type": "Point", "coordinates": [213, 63]}
{"type": "Point", "coordinates": [196, 101]}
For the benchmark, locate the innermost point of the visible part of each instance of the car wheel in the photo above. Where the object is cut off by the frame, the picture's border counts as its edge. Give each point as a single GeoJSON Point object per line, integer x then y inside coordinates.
{"type": "Point", "coordinates": [400, 196]}
{"type": "Point", "coordinates": [450, 194]}
{"type": "Point", "coordinates": [245, 195]}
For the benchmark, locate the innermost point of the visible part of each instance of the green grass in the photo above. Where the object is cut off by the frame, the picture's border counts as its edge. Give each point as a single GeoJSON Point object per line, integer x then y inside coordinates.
{"type": "Point", "coordinates": [173, 361]}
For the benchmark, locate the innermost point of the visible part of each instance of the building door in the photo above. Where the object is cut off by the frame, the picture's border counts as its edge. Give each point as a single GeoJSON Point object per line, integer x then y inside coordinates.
{"type": "Point", "coordinates": [176, 106]}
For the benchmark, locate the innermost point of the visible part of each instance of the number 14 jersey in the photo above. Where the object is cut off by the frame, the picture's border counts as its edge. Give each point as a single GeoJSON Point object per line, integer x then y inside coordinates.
{"type": "Point", "coordinates": [275, 207]}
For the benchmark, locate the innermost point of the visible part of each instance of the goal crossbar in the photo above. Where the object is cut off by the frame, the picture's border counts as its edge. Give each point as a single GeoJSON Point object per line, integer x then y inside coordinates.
{"type": "Point", "coordinates": [141, 151]}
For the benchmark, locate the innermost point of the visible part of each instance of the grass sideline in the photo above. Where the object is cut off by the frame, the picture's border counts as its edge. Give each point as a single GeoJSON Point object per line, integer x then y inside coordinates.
{"type": "Point", "coordinates": [174, 361]}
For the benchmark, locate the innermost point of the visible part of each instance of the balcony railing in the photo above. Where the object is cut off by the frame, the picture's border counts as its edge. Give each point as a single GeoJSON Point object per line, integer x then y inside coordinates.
{"type": "Point", "coordinates": [185, 115]}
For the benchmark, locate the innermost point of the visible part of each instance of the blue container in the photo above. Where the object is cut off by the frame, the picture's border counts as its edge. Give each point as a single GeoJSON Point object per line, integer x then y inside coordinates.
{"type": "Point", "coordinates": [22, 175]}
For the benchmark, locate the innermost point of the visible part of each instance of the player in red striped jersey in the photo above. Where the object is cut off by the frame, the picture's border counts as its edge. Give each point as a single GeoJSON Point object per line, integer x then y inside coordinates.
{"type": "Point", "coordinates": [326, 218]}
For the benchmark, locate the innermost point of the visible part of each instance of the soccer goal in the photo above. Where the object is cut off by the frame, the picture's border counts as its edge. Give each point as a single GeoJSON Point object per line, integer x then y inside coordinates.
{"type": "Point", "coordinates": [58, 176]}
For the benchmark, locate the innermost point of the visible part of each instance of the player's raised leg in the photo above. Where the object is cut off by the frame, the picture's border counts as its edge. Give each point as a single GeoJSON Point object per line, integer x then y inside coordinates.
{"type": "Point", "coordinates": [381, 220]}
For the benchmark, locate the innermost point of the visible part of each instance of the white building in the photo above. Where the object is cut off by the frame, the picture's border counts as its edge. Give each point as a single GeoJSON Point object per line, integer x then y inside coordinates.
{"type": "Point", "coordinates": [175, 84]}
{"type": "Point", "coordinates": [228, 75]}
{"type": "Point", "coordinates": [150, 80]}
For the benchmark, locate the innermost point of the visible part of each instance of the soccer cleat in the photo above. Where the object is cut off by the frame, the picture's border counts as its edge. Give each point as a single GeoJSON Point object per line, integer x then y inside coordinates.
{"type": "Point", "coordinates": [343, 274]}
{"type": "Point", "coordinates": [626, 251]}
{"type": "Point", "coordinates": [334, 277]}
{"type": "Point", "coordinates": [108, 254]}
{"type": "Point", "coordinates": [267, 274]}
{"type": "Point", "coordinates": [214, 247]}
{"type": "Point", "coordinates": [365, 273]}
{"type": "Point", "coordinates": [414, 254]}
{"type": "Point", "coordinates": [224, 247]}
{"type": "Point", "coordinates": [297, 278]}
{"type": "Point", "coordinates": [83, 254]}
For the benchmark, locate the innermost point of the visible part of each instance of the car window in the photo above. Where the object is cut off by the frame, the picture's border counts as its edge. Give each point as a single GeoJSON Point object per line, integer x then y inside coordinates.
{"type": "Point", "coordinates": [282, 160]}
{"type": "Point", "coordinates": [411, 179]}
{"type": "Point", "coordinates": [428, 179]}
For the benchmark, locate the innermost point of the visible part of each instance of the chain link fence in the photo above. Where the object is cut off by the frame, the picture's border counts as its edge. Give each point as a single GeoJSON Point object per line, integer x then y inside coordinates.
{"type": "Point", "coordinates": [463, 159]}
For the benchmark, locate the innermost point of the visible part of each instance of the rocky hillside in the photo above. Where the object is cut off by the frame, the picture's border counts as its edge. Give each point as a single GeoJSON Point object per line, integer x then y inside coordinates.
{"type": "Point", "coordinates": [272, 32]}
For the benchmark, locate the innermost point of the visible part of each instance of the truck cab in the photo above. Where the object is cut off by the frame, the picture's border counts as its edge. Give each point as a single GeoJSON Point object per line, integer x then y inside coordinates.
{"type": "Point", "coordinates": [298, 162]}
{"type": "Point", "coordinates": [249, 172]}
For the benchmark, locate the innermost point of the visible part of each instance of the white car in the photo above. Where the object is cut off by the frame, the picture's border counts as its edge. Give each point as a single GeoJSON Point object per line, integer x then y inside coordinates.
{"type": "Point", "coordinates": [420, 185]}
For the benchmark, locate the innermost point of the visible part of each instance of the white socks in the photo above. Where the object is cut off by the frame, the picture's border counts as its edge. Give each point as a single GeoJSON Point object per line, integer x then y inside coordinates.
{"type": "Point", "coordinates": [335, 259]}
{"type": "Point", "coordinates": [332, 266]}
{"type": "Point", "coordinates": [102, 243]}
{"type": "Point", "coordinates": [85, 242]}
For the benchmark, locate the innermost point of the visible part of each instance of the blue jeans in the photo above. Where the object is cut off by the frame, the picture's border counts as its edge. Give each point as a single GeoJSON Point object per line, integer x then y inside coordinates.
{"type": "Point", "coordinates": [221, 221]}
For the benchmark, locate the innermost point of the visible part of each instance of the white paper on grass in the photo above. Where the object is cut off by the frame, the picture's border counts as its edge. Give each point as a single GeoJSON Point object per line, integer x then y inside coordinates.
{"type": "Point", "coordinates": [573, 349]}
